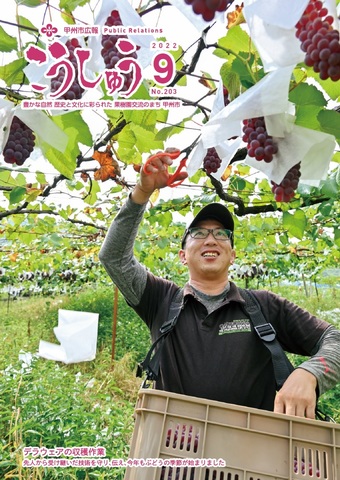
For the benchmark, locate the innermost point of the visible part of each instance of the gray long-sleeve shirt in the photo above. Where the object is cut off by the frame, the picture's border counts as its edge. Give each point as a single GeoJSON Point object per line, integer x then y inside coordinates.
{"type": "Point", "coordinates": [131, 278]}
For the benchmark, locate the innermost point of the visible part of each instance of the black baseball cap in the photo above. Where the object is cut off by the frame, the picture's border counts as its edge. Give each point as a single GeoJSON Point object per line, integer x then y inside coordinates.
{"type": "Point", "coordinates": [215, 211]}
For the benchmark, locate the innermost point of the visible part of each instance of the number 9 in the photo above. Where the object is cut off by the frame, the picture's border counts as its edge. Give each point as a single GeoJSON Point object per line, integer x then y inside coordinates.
{"type": "Point", "coordinates": [164, 66]}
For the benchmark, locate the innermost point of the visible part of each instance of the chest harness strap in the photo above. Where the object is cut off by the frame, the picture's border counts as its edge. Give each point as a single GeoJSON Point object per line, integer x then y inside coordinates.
{"type": "Point", "coordinates": [281, 364]}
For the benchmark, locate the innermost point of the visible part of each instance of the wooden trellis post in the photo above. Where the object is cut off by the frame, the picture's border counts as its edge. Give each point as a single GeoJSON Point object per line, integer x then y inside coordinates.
{"type": "Point", "coordinates": [114, 324]}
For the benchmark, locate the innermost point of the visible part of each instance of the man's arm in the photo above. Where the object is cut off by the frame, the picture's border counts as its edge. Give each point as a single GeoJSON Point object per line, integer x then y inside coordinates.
{"type": "Point", "coordinates": [116, 253]}
{"type": "Point", "coordinates": [321, 371]}
{"type": "Point", "coordinates": [325, 362]}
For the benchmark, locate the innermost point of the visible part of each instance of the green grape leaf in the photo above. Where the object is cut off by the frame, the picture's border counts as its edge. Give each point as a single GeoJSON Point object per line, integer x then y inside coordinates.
{"type": "Point", "coordinates": [71, 5]}
{"type": "Point", "coordinates": [64, 162]}
{"type": "Point", "coordinates": [28, 3]}
{"type": "Point", "coordinates": [17, 194]}
{"type": "Point", "coordinates": [241, 68]}
{"type": "Point", "coordinates": [92, 193]}
{"type": "Point", "coordinates": [178, 56]}
{"type": "Point", "coordinates": [12, 73]}
{"type": "Point", "coordinates": [24, 22]}
{"type": "Point", "coordinates": [166, 132]}
{"type": "Point", "coordinates": [235, 41]}
{"type": "Point", "coordinates": [231, 80]}
{"type": "Point", "coordinates": [144, 139]}
{"type": "Point", "coordinates": [127, 146]}
{"type": "Point", "coordinates": [330, 187]}
{"type": "Point", "coordinates": [67, 16]}
{"type": "Point", "coordinates": [330, 122]}
{"type": "Point", "coordinates": [330, 87]}
{"type": "Point", "coordinates": [305, 94]}
{"type": "Point", "coordinates": [75, 121]}
{"type": "Point", "coordinates": [307, 116]}
{"type": "Point", "coordinates": [7, 42]}
{"type": "Point", "coordinates": [295, 223]}
{"type": "Point", "coordinates": [147, 118]}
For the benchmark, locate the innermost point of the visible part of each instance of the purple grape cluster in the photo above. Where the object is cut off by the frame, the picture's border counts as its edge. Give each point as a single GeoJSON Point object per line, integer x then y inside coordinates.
{"type": "Point", "coordinates": [75, 91]}
{"type": "Point", "coordinates": [260, 145]}
{"type": "Point", "coordinates": [208, 8]}
{"type": "Point", "coordinates": [180, 441]}
{"type": "Point", "coordinates": [111, 55]}
{"type": "Point", "coordinates": [20, 142]}
{"type": "Point", "coordinates": [306, 469]}
{"type": "Point", "coordinates": [211, 162]}
{"type": "Point", "coordinates": [319, 40]}
{"type": "Point", "coordinates": [285, 191]}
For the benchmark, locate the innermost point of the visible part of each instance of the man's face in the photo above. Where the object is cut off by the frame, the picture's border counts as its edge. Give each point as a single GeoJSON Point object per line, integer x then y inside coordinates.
{"type": "Point", "coordinates": [207, 258]}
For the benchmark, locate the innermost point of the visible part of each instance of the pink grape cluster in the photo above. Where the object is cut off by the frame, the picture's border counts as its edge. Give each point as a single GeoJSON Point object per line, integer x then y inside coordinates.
{"type": "Point", "coordinates": [111, 55]}
{"type": "Point", "coordinates": [180, 441]}
{"type": "Point", "coordinates": [20, 142]}
{"type": "Point", "coordinates": [208, 8]}
{"type": "Point", "coordinates": [211, 162]}
{"type": "Point", "coordinates": [319, 40]}
{"type": "Point", "coordinates": [75, 91]}
{"type": "Point", "coordinates": [285, 191]}
{"type": "Point", "coordinates": [175, 473]}
{"type": "Point", "coordinates": [303, 469]}
{"type": "Point", "coordinates": [260, 145]}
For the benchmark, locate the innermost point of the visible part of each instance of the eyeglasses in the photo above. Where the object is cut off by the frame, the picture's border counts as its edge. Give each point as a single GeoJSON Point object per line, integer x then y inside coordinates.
{"type": "Point", "coordinates": [199, 233]}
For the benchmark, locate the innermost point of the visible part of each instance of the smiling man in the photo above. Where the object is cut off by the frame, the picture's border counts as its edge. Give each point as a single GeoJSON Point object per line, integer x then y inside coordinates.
{"type": "Point", "coordinates": [213, 351]}
{"type": "Point", "coordinates": [207, 248]}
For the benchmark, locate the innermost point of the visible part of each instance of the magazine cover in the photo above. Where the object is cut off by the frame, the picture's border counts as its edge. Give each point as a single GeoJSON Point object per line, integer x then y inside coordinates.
{"type": "Point", "coordinates": [235, 103]}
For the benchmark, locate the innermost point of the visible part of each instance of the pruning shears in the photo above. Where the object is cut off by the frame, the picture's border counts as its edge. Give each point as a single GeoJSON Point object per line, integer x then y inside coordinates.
{"type": "Point", "coordinates": [173, 153]}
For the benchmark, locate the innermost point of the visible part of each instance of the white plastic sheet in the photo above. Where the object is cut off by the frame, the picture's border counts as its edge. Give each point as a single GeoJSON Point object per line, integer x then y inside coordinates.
{"type": "Point", "coordinates": [77, 333]}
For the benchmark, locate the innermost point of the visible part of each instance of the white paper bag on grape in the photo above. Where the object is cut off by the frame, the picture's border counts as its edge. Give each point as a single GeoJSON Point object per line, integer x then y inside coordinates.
{"type": "Point", "coordinates": [312, 148]}
{"type": "Point", "coordinates": [272, 29]}
{"type": "Point", "coordinates": [269, 99]}
{"type": "Point", "coordinates": [225, 150]}
{"type": "Point", "coordinates": [36, 120]}
{"type": "Point", "coordinates": [77, 333]}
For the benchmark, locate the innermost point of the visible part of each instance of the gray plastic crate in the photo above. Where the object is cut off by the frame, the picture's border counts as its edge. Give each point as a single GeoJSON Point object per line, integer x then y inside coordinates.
{"type": "Point", "coordinates": [186, 433]}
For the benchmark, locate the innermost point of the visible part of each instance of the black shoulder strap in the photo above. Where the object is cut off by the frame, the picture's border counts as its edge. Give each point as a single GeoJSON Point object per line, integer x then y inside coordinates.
{"type": "Point", "coordinates": [265, 330]}
{"type": "Point", "coordinates": [267, 333]}
{"type": "Point", "coordinates": [151, 365]}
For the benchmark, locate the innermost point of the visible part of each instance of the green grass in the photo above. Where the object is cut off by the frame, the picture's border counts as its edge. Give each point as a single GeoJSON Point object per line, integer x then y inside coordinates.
{"type": "Point", "coordinates": [51, 404]}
